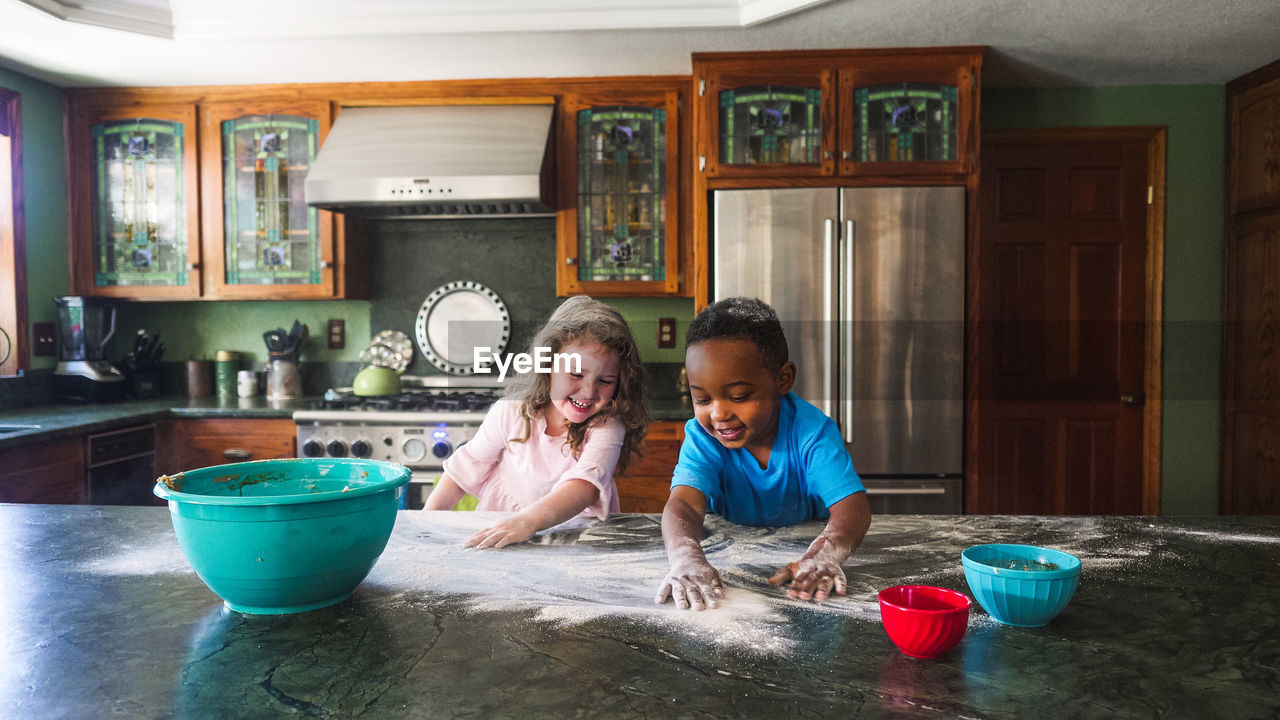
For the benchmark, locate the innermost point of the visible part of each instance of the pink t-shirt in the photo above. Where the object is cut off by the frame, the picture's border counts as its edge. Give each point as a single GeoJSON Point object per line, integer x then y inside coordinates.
{"type": "Point", "coordinates": [510, 476]}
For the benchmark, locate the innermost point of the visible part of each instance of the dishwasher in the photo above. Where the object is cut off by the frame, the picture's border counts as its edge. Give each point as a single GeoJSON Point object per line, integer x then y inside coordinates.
{"type": "Point", "coordinates": [121, 467]}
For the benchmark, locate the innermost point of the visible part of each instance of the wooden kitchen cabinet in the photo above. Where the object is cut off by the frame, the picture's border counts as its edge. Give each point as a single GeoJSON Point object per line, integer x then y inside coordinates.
{"type": "Point", "coordinates": [189, 443]}
{"type": "Point", "coordinates": [618, 229]}
{"type": "Point", "coordinates": [647, 483]}
{"type": "Point", "coordinates": [259, 233]}
{"type": "Point", "coordinates": [51, 472]}
{"type": "Point", "coordinates": [197, 194]}
{"type": "Point", "coordinates": [765, 119]}
{"type": "Point", "coordinates": [859, 113]}
{"type": "Point", "coordinates": [134, 214]}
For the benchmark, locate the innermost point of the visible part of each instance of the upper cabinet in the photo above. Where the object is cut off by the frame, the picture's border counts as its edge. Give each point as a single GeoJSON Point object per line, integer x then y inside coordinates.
{"type": "Point", "coordinates": [620, 170]}
{"type": "Point", "coordinates": [856, 113]}
{"type": "Point", "coordinates": [260, 236]}
{"type": "Point", "coordinates": [134, 210]}
{"type": "Point", "coordinates": [199, 199]}
{"type": "Point", "coordinates": [766, 119]}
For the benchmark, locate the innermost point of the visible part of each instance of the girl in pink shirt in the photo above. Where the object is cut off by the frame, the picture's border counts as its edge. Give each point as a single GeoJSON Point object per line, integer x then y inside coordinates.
{"type": "Point", "coordinates": [547, 451]}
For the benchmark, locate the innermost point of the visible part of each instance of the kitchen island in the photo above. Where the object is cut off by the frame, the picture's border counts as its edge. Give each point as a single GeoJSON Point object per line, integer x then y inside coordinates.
{"type": "Point", "coordinates": [102, 616]}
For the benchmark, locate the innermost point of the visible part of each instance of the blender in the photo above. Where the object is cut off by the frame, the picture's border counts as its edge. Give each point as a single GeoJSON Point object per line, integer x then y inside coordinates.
{"type": "Point", "coordinates": [85, 325]}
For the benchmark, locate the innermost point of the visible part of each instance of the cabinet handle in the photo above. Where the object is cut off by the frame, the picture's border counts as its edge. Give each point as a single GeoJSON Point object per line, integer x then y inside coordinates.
{"type": "Point", "coordinates": [192, 266]}
{"type": "Point", "coordinates": [571, 261]}
{"type": "Point", "coordinates": [847, 155]}
{"type": "Point", "coordinates": [325, 264]}
{"type": "Point", "coordinates": [234, 454]}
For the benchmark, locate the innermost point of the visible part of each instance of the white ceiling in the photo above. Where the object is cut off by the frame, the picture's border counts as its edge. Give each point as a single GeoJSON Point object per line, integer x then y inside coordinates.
{"type": "Point", "coordinates": [215, 42]}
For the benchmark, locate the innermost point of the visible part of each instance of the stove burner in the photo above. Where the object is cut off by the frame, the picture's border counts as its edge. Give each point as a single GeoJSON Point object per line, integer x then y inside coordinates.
{"type": "Point", "coordinates": [413, 401]}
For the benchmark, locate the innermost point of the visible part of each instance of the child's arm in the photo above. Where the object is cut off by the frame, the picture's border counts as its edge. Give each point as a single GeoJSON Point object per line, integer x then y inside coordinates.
{"type": "Point", "coordinates": [691, 580]}
{"type": "Point", "coordinates": [818, 572]}
{"type": "Point", "coordinates": [444, 495]}
{"type": "Point", "coordinates": [568, 500]}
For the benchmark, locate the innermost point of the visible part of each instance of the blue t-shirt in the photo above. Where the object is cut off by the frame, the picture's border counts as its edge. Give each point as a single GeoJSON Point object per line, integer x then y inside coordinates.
{"type": "Point", "coordinates": [809, 470]}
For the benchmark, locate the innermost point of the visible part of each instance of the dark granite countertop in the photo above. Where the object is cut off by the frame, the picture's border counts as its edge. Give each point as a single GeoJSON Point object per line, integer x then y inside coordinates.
{"type": "Point", "coordinates": [103, 616]}
{"type": "Point", "coordinates": [47, 422]}
{"type": "Point", "coordinates": [51, 421]}
{"type": "Point", "coordinates": [670, 408]}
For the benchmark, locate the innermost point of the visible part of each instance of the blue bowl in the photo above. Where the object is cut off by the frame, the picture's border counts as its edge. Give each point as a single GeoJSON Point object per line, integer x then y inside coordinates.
{"type": "Point", "coordinates": [288, 535]}
{"type": "Point", "coordinates": [1021, 585]}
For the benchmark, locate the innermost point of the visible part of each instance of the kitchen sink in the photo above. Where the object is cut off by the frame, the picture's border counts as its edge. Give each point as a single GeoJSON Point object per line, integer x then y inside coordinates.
{"type": "Point", "coordinates": [6, 429]}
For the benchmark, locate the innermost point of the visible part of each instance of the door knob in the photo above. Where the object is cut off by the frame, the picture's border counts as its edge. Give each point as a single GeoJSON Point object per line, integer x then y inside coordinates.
{"type": "Point", "coordinates": [1132, 399]}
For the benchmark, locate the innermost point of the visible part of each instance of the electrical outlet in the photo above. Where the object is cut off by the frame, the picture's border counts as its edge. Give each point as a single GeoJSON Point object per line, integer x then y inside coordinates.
{"type": "Point", "coordinates": [666, 333]}
{"type": "Point", "coordinates": [337, 333]}
{"type": "Point", "coordinates": [45, 340]}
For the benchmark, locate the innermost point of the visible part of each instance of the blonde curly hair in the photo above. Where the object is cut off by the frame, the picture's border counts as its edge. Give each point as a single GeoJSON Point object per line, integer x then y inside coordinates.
{"type": "Point", "coordinates": [582, 318]}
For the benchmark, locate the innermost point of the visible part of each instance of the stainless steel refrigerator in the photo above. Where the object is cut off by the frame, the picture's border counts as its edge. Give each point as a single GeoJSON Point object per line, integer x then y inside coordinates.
{"type": "Point", "coordinates": [869, 285]}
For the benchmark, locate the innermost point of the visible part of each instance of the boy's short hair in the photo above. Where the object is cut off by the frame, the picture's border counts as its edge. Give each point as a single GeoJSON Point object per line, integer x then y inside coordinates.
{"type": "Point", "coordinates": [746, 318]}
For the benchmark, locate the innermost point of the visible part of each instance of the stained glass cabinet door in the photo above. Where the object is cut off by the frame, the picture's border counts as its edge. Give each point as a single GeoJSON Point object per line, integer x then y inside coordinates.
{"type": "Point", "coordinates": [261, 238]}
{"type": "Point", "coordinates": [916, 120]}
{"type": "Point", "coordinates": [137, 235]}
{"type": "Point", "coordinates": [622, 237]}
{"type": "Point", "coordinates": [768, 123]}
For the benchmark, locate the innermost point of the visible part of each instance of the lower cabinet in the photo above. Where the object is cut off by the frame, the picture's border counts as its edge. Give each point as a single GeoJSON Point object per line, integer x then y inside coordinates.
{"type": "Point", "coordinates": [187, 444]}
{"type": "Point", "coordinates": [647, 483]}
{"type": "Point", "coordinates": [49, 472]}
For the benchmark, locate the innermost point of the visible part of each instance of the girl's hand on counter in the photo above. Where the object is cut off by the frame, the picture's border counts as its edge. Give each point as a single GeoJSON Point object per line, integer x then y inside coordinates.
{"type": "Point", "coordinates": [692, 582]}
{"type": "Point", "coordinates": [816, 574]}
{"type": "Point", "coordinates": [507, 531]}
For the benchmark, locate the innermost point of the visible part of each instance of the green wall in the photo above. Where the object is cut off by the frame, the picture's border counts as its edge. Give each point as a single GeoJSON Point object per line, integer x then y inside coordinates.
{"type": "Point", "coordinates": [196, 330]}
{"type": "Point", "coordinates": [1195, 117]}
{"type": "Point", "coordinates": [44, 195]}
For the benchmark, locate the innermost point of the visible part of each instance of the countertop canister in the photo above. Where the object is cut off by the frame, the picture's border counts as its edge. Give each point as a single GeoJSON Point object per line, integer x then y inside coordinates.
{"type": "Point", "coordinates": [226, 367]}
{"type": "Point", "coordinates": [199, 378]}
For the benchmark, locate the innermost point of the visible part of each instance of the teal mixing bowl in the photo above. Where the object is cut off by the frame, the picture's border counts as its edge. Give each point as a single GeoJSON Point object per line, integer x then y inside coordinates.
{"type": "Point", "coordinates": [288, 535]}
{"type": "Point", "coordinates": [1021, 585]}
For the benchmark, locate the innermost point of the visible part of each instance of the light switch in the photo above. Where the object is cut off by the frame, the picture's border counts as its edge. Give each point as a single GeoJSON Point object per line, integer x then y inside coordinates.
{"type": "Point", "coordinates": [666, 333]}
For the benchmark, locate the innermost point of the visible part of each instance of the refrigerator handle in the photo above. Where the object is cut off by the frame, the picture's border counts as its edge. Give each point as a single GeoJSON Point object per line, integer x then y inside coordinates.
{"type": "Point", "coordinates": [846, 314]}
{"type": "Point", "coordinates": [828, 313]}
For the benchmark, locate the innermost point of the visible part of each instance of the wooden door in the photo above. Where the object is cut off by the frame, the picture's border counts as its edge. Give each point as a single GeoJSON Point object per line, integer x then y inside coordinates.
{"type": "Point", "coordinates": [1250, 445]}
{"type": "Point", "coordinates": [1066, 352]}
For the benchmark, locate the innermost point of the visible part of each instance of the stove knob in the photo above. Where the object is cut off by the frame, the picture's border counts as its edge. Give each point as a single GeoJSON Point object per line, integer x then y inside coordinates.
{"type": "Point", "coordinates": [414, 450]}
{"type": "Point", "coordinates": [441, 449]}
{"type": "Point", "coordinates": [337, 448]}
{"type": "Point", "coordinates": [361, 449]}
{"type": "Point", "coordinates": [312, 448]}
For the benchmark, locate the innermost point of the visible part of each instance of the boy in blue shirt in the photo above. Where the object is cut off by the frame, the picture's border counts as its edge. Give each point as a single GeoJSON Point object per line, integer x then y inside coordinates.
{"type": "Point", "coordinates": [756, 454]}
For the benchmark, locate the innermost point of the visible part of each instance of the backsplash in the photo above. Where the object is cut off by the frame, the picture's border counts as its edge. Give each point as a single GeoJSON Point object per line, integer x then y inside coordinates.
{"type": "Point", "coordinates": [514, 257]}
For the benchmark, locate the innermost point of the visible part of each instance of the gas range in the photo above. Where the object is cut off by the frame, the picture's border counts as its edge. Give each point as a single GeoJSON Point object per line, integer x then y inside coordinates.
{"type": "Point", "coordinates": [418, 428]}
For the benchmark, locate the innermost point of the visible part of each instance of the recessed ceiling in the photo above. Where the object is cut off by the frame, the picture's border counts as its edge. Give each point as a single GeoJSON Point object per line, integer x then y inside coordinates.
{"type": "Point", "coordinates": [229, 42]}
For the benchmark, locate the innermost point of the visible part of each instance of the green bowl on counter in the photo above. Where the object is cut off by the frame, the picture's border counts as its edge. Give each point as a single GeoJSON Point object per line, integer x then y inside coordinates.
{"type": "Point", "coordinates": [287, 535]}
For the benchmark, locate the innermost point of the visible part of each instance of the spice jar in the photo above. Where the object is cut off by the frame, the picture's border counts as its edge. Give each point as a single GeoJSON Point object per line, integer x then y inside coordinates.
{"type": "Point", "coordinates": [247, 383]}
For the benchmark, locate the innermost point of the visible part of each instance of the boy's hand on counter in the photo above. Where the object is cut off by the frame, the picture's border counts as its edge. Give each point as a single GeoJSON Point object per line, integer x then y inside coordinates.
{"type": "Point", "coordinates": [816, 574]}
{"type": "Point", "coordinates": [692, 582]}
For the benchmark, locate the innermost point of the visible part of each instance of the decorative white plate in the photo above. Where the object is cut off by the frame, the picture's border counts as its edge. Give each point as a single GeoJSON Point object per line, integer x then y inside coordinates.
{"type": "Point", "coordinates": [455, 319]}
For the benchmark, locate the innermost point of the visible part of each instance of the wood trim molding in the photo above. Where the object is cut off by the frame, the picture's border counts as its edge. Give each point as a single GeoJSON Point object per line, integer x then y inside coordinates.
{"type": "Point", "coordinates": [13, 246]}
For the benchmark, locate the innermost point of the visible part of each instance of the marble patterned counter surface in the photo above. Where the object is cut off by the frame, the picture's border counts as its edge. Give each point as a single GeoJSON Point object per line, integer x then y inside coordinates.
{"type": "Point", "coordinates": [102, 616]}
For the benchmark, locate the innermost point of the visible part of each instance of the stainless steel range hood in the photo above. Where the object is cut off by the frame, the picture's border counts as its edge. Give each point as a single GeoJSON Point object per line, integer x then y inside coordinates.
{"type": "Point", "coordinates": [439, 161]}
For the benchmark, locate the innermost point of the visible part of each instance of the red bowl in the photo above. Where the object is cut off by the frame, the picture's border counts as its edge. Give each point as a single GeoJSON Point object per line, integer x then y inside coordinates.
{"type": "Point", "coordinates": [924, 621]}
